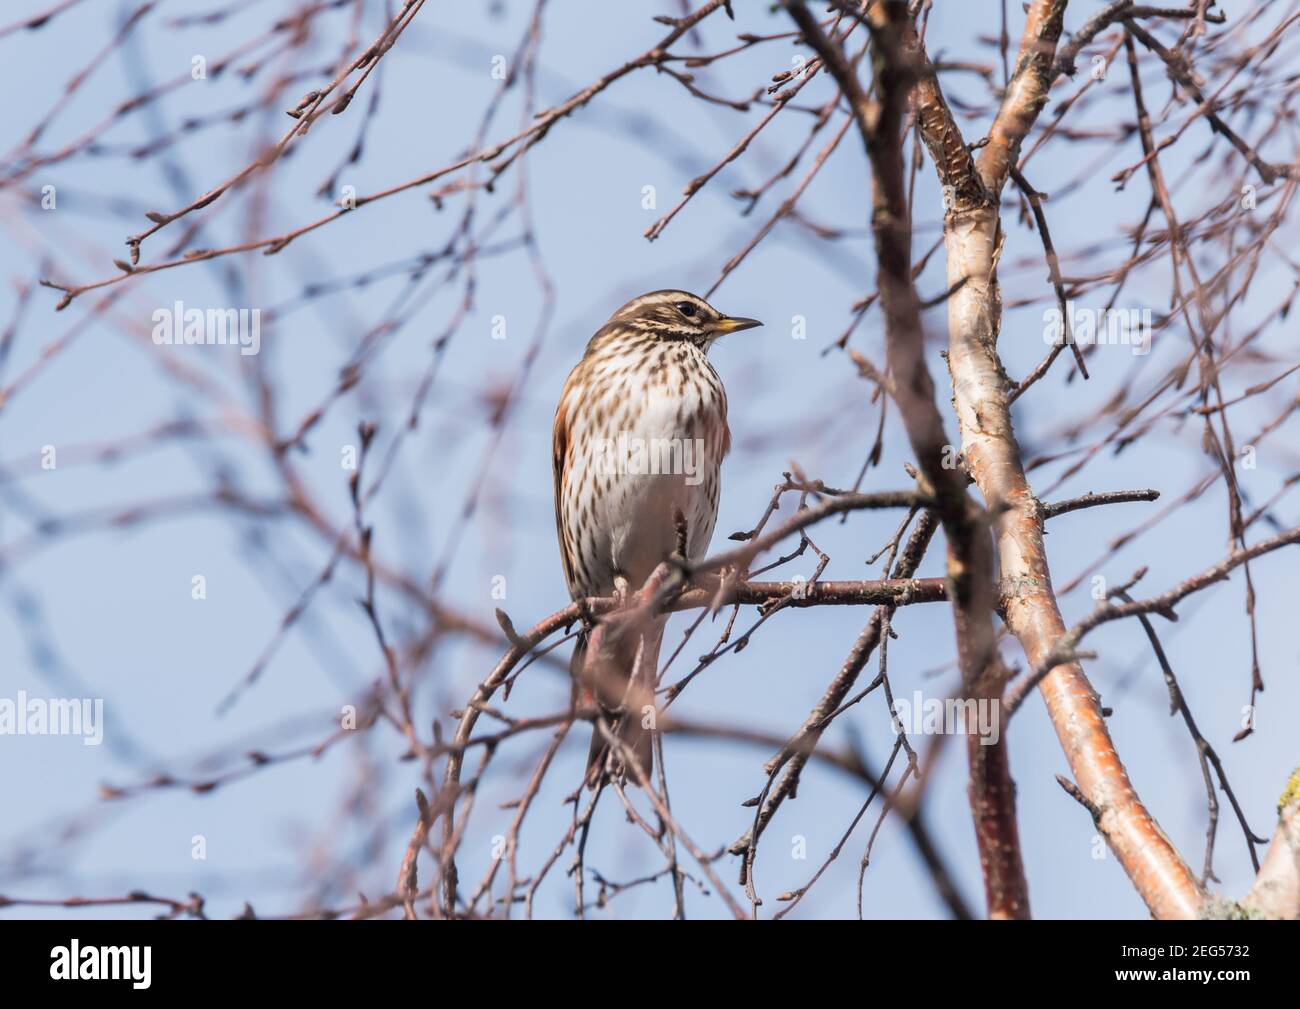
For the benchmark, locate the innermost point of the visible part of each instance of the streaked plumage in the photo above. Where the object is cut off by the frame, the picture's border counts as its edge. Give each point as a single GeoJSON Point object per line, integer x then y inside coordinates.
{"type": "Point", "coordinates": [644, 381]}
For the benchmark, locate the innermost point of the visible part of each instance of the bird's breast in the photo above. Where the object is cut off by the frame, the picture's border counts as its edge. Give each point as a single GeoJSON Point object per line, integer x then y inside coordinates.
{"type": "Point", "coordinates": [646, 445]}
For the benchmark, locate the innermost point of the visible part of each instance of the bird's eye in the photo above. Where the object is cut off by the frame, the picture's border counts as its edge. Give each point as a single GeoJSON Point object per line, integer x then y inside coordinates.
{"type": "Point", "coordinates": [686, 308]}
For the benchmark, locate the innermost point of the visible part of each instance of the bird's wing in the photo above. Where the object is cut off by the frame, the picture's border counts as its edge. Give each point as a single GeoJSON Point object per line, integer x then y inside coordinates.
{"type": "Point", "coordinates": [559, 464]}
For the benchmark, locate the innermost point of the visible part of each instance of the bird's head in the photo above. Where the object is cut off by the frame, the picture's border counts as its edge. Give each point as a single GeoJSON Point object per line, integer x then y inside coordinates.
{"type": "Point", "coordinates": [678, 315]}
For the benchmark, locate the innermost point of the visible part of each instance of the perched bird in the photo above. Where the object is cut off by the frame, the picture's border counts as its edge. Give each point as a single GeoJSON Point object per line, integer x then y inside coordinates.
{"type": "Point", "coordinates": [640, 434]}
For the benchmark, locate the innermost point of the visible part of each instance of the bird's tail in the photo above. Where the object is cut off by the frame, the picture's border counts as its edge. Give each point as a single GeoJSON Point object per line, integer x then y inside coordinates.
{"type": "Point", "coordinates": [621, 683]}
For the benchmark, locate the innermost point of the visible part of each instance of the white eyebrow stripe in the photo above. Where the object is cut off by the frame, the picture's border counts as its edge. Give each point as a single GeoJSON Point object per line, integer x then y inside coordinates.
{"type": "Point", "coordinates": [667, 297]}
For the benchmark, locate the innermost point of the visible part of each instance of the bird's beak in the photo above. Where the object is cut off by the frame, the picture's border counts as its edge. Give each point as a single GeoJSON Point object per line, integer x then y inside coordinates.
{"type": "Point", "coordinates": [732, 325]}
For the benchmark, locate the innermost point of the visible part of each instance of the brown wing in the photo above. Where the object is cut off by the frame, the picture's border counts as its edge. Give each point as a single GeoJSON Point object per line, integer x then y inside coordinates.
{"type": "Point", "coordinates": [559, 465]}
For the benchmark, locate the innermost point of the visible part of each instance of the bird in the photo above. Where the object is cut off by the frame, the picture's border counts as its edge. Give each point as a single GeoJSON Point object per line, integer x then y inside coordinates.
{"type": "Point", "coordinates": [638, 442]}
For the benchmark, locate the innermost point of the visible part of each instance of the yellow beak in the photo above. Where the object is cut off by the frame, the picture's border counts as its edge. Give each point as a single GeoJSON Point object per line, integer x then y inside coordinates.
{"type": "Point", "coordinates": [732, 325]}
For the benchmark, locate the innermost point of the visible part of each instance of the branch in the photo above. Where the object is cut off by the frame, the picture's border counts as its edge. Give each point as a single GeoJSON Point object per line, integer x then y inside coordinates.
{"type": "Point", "coordinates": [1026, 93]}
{"type": "Point", "coordinates": [1066, 643]}
{"type": "Point", "coordinates": [521, 141]}
{"type": "Point", "coordinates": [651, 599]}
{"type": "Point", "coordinates": [1178, 70]}
{"type": "Point", "coordinates": [794, 754]}
{"type": "Point", "coordinates": [1035, 199]}
{"type": "Point", "coordinates": [1111, 14]}
{"type": "Point", "coordinates": [1050, 511]}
